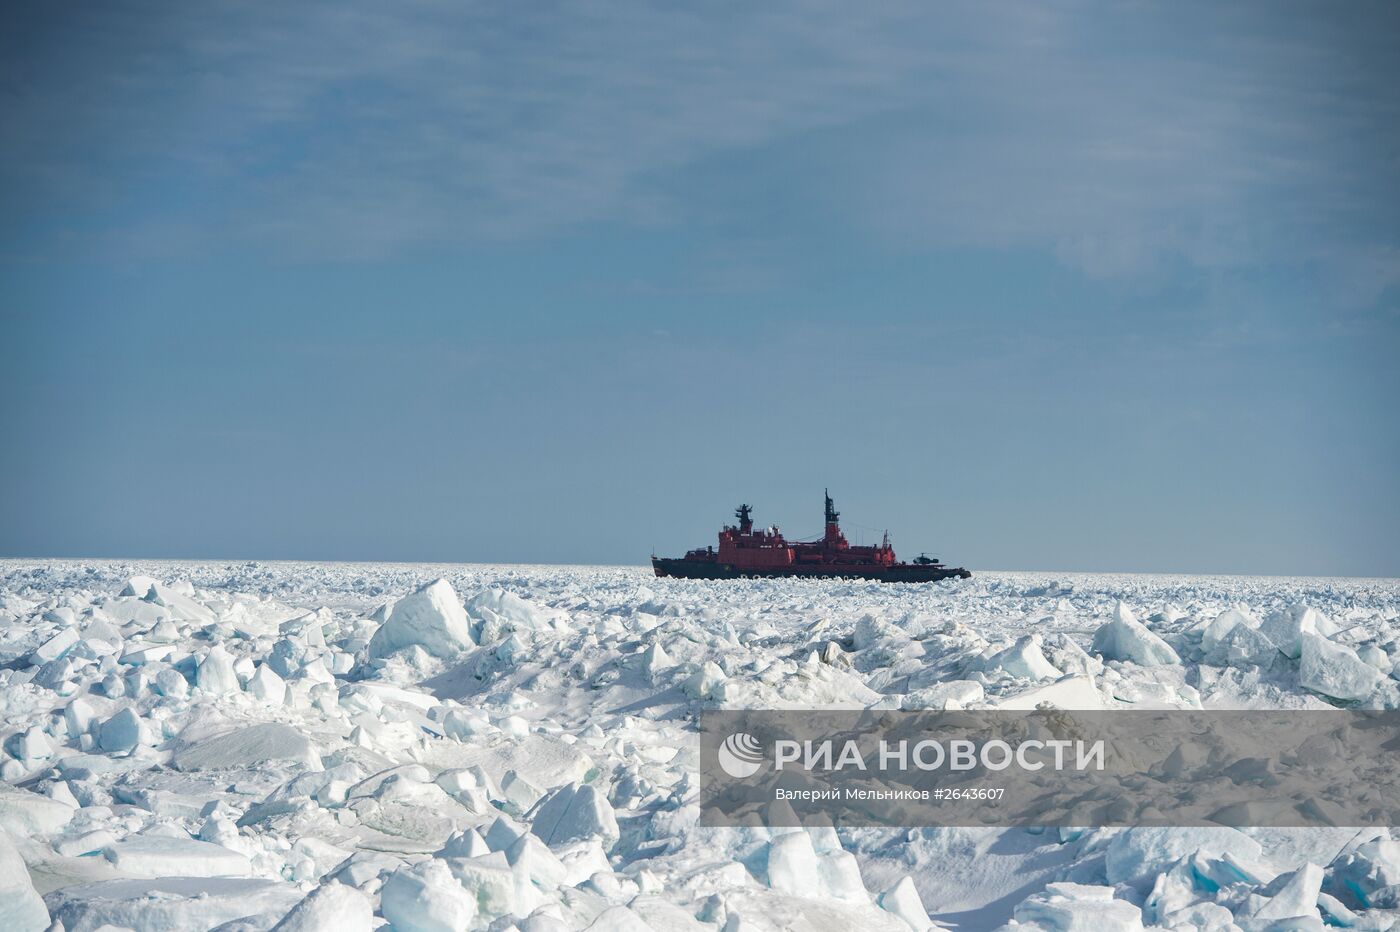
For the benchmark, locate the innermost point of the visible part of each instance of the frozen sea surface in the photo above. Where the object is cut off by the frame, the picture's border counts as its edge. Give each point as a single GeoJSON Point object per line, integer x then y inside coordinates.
{"type": "Point", "coordinates": [350, 746]}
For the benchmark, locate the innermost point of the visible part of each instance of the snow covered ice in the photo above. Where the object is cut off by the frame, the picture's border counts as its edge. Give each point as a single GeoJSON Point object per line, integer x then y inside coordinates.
{"type": "Point", "coordinates": [320, 746]}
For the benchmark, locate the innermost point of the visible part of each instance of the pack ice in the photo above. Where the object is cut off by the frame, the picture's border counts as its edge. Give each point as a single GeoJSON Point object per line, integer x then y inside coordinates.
{"type": "Point", "coordinates": [304, 747]}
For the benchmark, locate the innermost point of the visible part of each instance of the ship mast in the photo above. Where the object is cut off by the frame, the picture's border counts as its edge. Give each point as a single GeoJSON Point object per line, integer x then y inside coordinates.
{"type": "Point", "coordinates": [833, 529]}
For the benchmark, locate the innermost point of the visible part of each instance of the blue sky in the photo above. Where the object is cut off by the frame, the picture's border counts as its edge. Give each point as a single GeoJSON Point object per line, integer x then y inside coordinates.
{"type": "Point", "coordinates": [1086, 287]}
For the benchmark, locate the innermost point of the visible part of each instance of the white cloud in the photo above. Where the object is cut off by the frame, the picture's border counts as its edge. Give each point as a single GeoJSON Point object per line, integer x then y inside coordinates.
{"type": "Point", "coordinates": [1112, 138]}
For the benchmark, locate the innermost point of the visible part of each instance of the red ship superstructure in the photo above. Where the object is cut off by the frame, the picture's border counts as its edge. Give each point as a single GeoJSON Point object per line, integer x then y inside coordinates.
{"type": "Point", "coordinates": [744, 552]}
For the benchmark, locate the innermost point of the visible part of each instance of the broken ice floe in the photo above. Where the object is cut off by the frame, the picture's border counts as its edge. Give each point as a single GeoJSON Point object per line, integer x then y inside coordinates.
{"type": "Point", "coordinates": [189, 745]}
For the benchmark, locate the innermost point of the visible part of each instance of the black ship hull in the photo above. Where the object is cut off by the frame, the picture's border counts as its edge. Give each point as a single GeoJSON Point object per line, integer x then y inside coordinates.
{"type": "Point", "coordinates": [680, 568]}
